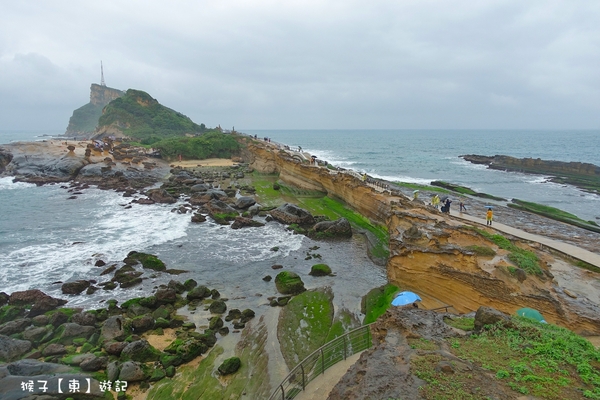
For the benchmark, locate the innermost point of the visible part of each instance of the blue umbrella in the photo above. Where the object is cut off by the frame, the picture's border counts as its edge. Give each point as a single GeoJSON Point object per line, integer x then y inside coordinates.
{"type": "Point", "coordinates": [488, 207]}
{"type": "Point", "coordinates": [404, 298]}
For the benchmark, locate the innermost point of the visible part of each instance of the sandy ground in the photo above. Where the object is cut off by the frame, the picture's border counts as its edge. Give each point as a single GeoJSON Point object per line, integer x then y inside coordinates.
{"type": "Point", "coordinates": [209, 162]}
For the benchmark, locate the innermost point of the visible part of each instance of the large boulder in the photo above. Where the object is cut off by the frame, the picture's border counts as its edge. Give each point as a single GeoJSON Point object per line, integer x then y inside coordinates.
{"type": "Point", "coordinates": [219, 207]}
{"type": "Point", "coordinates": [148, 261]}
{"type": "Point", "coordinates": [291, 214]}
{"type": "Point", "coordinates": [72, 330]}
{"type": "Point", "coordinates": [320, 270]}
{"type": "Point", "coordinates": [132, 371]}
{"type": "Point", "coordinates": [84, 318]}
{"type": "Point", "coordinates": [114, 328]}
{"type": "Point", "coordinates": [142, 324]}
{"type": "Point", "coordinates": [40, 302]}
{"type": "Point", "coordinates": [160, 196]}
{"type": "Point", "coordinates": [243, 202]}
{"type": "Point", "coordinates": [488, 316]}
{"type": "Point", "coordinates": [140, 350]}
{"type": "Point", "coordinates": [242, 222]}
{"type": "Point", "coordinates": [289, 283]}
{"type": "Point", "coordinates": [230, 366]}
{"type": "Point", "coordinates": [217, 307]}
{"type": "Point", "coordinates": [200, 187]}
{"type": "Point", "coordinates": [199, 198]}
{"type": "Point", "coordinates": [75, 287]}
{"type": "Point", "coordinates": [338, 228]}
{"type": "Point", "coordinates": [12, 349]}
{"type": "Point", "coordinates": [199, 293]}
{"type": "Point", "coordinates": [15, 326]}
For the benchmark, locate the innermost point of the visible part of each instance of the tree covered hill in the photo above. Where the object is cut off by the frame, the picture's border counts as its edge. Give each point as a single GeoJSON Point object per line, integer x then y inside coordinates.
{"type": "Point", "coordinates": [144, 120]}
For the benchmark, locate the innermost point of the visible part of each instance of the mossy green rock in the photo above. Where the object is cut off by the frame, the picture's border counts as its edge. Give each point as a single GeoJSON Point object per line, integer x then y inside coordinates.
{"type": "Point", "coordinates": [170, 360]}
{"type": "Point", "coordinates": [289, 283]}
{"type": "Point", "coordinates": [170, 371]}
{"type": "Point", "coordinates": [217, 307]}
{"type": "Point", "coordinates": [9, 313]}
{"type": "Point", "coordinates": [320, 270]}
{"type": "Point", "coordinates": [198, 292]}
{"type": "Point", "coordinates": [215, 323]}
{"type": "Point", "coordinates": [161, 323]}
{"type": "Point", "coordinates": [148, 261]}
{"type": "Point", "coordinates": [157, 375]}
{"type": "Point", "coordinates": [230, 366]}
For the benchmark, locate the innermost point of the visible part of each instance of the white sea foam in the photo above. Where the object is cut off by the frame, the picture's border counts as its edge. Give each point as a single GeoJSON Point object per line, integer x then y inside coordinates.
{"type": "Point", "coordinates": [248, 244]}
{"type": "Point", "coordinates": [332, 158]}
{"type": "Point", "coordinates": [7, 183]}
{"type": "Point", "coordinates": [402, 178]}
{"type": "Point", "coordinates": [107, 232]}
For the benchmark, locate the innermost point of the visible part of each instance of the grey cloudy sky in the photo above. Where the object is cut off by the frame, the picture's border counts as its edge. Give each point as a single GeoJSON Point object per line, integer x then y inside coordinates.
{"type": "Point", "coordinates": [309, 64]}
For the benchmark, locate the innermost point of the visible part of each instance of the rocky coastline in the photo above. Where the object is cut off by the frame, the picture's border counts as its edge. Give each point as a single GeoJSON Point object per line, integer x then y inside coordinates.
{"type": "Point", "coordinates": [585, 176]}
{"type": "Point", "coordinates": [427, 252]}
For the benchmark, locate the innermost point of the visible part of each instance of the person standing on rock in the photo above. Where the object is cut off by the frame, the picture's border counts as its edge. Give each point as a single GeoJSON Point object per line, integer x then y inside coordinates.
{"type": "Point", "coordinates": [489, 216]}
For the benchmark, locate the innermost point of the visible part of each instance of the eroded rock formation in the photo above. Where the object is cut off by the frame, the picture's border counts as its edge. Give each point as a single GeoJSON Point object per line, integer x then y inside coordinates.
{"type": "Point", "coordinates": [433, 254]}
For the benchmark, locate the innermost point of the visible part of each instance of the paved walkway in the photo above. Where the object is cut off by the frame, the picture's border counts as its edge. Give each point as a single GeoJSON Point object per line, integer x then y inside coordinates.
{"type": "Point", "coordinates": [319, 388]}
{"type": "Point", "coordinates": [569, 249]}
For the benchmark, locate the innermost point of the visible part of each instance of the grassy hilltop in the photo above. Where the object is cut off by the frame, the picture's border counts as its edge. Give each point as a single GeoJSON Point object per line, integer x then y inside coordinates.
{"type": "Point", "coordinates": [142, 118]}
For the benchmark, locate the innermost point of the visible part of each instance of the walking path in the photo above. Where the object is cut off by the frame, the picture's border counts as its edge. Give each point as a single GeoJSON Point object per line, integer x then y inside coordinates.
{"type": "Point", "coordinates": [319, 388]}
{"type": "Point", "coordinates": [568, 249]}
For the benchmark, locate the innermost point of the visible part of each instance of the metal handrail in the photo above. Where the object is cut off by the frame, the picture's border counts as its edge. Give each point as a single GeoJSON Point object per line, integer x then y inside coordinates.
{"type": "Point", "coordinates": [318, 361]}
{"type": "Point", "coordinates": [446, 307]}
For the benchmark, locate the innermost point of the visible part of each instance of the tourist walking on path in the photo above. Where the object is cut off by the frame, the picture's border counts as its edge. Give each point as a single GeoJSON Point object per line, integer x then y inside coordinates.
{"type": "Point", "coordinates": [489, 216]}
{"type": "Point", "coordinates": [435, 201]}
{"type": "Point", "coordinates": [462, 206]}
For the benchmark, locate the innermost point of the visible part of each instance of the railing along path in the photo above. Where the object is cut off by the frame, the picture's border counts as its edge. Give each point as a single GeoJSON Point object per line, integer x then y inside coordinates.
{"type": "Point", "coordinates": [320, 360]}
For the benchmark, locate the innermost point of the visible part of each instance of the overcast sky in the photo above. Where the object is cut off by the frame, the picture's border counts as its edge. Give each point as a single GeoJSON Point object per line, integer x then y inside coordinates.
{"type": "Point", "coordinates": [309, 64]}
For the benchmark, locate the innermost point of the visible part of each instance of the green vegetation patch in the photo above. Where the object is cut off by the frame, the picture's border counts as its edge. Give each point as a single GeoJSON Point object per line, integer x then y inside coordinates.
{"type": "Point", "coordinates": [416, 186]}
{"type": "Point", "coordinates": [304, 324]}
{"type": "Point", "coordinates": [334, 209]}
{"type": "Point", "coordinates": [483, 251]}
{"type": "Point", "coordinates": [207, 145]}
{"type": "Point", "coordinates": [464, 323]}
{"type": "Point", "coordinates": [377, 301]}
{"type": "Point", "coordinates": [555, 214]}
{"type": "Point", "coordinates": [588, 266]}
{"type": "Point", "coordinates": [535, 359]}
{"type": "Point", "coordinates": [144, 118]}
{"type": "Point", "coordinates": [524, 259]}
{"type": "Point", "coordinates": [444, 386]}
{"type": "Point", "coordinates": [422, 344]}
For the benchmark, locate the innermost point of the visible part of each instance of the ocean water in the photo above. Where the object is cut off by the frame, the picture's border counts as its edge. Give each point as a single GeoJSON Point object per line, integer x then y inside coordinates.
{"type": "Point", "coordinates": [46, 239]}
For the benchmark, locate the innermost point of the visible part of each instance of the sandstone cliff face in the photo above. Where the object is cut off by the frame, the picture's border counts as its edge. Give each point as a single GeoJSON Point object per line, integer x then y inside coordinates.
{"type": "Point", "coordinates": [349, 189]}
{"type": "Point", "coordinates": [434, 259]}
{"type": "Point", "coordinates": [85, 119]}
{"type": "Point", "coordinates": [102, 95]}
{"type": "Point", "coordinates": [429, 252]}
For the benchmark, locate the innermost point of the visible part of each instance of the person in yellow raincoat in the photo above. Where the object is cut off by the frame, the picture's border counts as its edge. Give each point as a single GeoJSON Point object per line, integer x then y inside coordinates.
{"type": "Point", "coordinates": [489, 216]}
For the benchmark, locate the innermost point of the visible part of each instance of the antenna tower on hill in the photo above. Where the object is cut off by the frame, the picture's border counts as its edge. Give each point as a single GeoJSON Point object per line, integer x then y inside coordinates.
{"type": "Point", "coordinates": [102, 83]}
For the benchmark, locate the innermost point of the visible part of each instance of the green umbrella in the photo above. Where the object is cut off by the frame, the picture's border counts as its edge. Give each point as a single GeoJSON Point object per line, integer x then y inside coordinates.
{"type": "Point", "coordinates": [531, 313]}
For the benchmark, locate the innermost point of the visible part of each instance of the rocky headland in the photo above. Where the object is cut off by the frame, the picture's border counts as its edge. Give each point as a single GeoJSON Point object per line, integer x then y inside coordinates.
{"type": "Point", "coordinates": [447, 261]}
{"type": "Point", "coordinates": [583, 175]}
